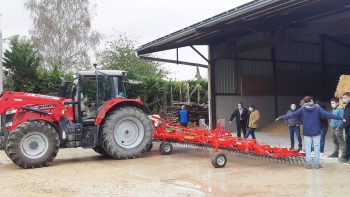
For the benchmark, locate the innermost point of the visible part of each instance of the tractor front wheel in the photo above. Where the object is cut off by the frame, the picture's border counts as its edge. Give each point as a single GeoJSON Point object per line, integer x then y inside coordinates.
{"type": "Point", "coordinates": [32, 145]}
{"type": "Point", "coordinates": [126, 133]}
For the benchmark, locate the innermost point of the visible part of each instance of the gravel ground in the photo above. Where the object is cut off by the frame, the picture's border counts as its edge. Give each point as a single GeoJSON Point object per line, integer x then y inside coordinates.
{"type": "Point", "coordinates": [187, 172]}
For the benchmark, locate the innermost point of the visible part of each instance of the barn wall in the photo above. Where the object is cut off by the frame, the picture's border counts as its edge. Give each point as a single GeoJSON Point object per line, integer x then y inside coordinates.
{"type": "Point", "coordinates": [226, 104]}
{"type": "Point", "coordinates": [306, 64]}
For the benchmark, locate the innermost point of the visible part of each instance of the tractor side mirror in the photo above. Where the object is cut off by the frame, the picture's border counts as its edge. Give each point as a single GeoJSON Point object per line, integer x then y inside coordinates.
{"type": "Point", "coordinates": [62, 89]}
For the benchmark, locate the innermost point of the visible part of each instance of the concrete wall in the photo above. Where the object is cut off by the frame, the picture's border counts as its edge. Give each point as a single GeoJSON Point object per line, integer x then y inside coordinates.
{"type": "Point", "coordinates": [226, 104]}
{"type": "Point", "coordinates": [283, 103]}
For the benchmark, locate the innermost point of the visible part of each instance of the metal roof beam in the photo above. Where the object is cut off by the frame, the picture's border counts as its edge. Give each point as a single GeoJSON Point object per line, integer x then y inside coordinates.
{"type": "Point", "coordinates": [337, 41]}
{"type": "Point", "coordinates": [199, 53]}
{"type": "Point", "coordinates": [173, 61]}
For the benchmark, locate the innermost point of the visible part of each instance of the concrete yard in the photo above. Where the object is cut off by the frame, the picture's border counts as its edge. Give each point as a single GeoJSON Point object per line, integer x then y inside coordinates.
{"type": "Point", "coordinates": [187, 172]}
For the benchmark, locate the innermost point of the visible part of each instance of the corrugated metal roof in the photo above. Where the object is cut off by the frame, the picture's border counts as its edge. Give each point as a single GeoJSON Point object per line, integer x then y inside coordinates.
{"type": "Point", "coordinates": [255, 16]}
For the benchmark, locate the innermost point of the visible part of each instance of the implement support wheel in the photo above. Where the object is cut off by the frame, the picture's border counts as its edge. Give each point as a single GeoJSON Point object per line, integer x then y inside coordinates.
{"type": "Point", "coordinates": [219, 160]}
{"type": "Point", "coordinates": [166, 148]}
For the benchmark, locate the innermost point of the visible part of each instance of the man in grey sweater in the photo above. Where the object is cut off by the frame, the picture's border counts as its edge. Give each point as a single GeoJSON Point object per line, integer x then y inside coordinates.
{"type": "Point", "coordinates": [294, 127]}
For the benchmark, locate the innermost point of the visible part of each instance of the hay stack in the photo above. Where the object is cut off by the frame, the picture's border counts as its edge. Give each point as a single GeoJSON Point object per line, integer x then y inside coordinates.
{"type": "Point", "coordinates": [343, 86]}
{"type": "Point", "coordinates": [278, 127]}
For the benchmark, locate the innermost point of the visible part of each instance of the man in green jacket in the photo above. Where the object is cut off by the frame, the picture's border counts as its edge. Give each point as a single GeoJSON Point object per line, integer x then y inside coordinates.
{"type": "Point", "coordinates": [337, 129]}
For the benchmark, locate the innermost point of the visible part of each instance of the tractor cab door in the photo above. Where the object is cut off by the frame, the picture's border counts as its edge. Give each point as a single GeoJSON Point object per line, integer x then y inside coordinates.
{"type": "Point", "coordinates": [92, 96]}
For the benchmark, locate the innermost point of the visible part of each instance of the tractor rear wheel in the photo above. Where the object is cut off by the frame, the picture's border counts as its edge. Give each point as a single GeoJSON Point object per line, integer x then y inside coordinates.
{"type": "Point", "coordinates": [99, 149]}
{"type": "Point", "coordinates": [126, 133]}
{"type": "Point", "coordinates": [32, 145]}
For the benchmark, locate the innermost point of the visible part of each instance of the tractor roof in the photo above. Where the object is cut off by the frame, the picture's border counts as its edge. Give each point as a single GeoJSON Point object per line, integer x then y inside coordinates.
{"type": "Point", "coordinates": [101, 72]}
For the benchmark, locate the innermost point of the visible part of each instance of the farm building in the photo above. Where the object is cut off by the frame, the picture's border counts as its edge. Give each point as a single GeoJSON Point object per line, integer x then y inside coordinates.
{"type": "Point", "coordinates": [269, 53]}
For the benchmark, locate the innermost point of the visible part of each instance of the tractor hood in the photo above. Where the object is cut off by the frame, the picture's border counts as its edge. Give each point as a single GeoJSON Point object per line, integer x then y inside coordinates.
{"type": "Point", "coordinates": [10, 100]}
{"type": "Point", "coordinates": [20, 96]}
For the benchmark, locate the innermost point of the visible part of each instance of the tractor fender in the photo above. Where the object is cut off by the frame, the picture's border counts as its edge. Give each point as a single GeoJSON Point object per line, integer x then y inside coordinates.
{"type": "Point", "coordinates": [114, 104]}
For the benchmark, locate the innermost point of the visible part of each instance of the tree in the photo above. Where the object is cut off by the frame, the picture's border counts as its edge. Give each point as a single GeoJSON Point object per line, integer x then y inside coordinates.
{"type": "Point", "coordinates": [21, 61]}
{"type": "Point", "coordinates": [62, 32]}
{"type": "Point", "coordinates": [120, 54]}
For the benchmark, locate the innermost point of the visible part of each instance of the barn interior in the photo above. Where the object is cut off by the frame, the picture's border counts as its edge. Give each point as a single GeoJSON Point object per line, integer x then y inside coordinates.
{"type": "Point", "coordinates": [269, 53]}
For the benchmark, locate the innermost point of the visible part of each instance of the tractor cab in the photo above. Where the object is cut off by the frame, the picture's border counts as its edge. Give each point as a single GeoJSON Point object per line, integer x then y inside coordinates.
{"type": "Point", "coordinates": [91, 89]}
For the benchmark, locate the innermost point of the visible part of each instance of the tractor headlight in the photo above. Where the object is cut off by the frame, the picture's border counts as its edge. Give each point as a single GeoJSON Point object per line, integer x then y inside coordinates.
{"type": "Point", "coordinates": [9, 117]}
{"type": "Point", "coordinates": [12, 111]}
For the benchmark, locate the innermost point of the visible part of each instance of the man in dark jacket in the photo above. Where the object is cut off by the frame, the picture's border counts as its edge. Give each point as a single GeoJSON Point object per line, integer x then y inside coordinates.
{"type": "Point", "coordinates": [310, 115]}
{"type": "Point", "coordinates": [241, 114]}
{"type": "Point", "coordinates": [294, 127]}
{"type": "Point", "coordinates": [346, 100]}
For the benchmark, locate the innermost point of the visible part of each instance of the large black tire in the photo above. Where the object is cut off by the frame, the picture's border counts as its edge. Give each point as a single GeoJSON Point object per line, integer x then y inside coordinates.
{"type": "Point", "coordinates": [126, 133]}
{"type": "Point", "coordinates": [6, 149]}
{"type": "Point", "coordinates": [99, 149]}
{"type": "Point", "coordinates": [32, 145]}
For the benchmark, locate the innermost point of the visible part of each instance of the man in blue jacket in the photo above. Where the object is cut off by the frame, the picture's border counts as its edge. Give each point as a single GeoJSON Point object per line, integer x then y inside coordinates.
{"type": "Point", "coordinates": [183, 116]}
{"type": "Point", "coordinates": [337, 129]}
{"type": "Point", "coordinates": [310, 115]}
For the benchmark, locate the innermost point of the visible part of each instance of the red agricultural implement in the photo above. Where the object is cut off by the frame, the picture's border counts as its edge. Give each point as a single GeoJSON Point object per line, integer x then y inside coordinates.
{"type": "Point", "coordinates": [219, 140]}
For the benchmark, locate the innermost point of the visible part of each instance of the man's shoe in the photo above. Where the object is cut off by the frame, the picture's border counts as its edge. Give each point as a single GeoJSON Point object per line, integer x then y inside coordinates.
{"type": "Point", "coordinates": [318, 166]}
{"type": "Point", "coordinates": [291, 148]}
{"type": "Point", "coordinates": [308, 166]}
{"type": "Point", "coordinates": [343, 160]}
{"type": "Point", "coordinates": [333, 155]}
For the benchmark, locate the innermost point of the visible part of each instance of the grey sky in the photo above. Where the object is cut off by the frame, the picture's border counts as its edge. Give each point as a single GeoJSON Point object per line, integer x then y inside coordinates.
{"type": "Point", "coordinates": [142, 20]}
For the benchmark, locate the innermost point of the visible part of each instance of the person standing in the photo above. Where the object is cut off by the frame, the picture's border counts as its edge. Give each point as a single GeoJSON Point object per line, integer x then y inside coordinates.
{"type": "Point", "coordinates": [324, 129]}
{"type": "Point", "coordinates": [254, 118]}
{"type": "Point", "coordinates": [310, 115]}
{"type": "Point", "coordinates": [241, 114]}
{"type": "Point", "coordinates": [183, 116]}
{"type": "Point", "coordinates": [294, 128]}
{"type": "Point", "coordinates": [346, 99]}
{"type": "Point", "coordinates": [337, 129]}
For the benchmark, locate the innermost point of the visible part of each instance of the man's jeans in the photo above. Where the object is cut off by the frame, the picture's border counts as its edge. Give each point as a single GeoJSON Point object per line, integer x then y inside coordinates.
{"type": "Point", "coordinates": [315, 140]}
{"type": "Point", "coordinates": [296, 130]}
{"type": "Point", "coordinates": [338, 140]}
{"type": "Point", "coordinates": [241, 128]}
{"type": "Point", "coordinates": [250, 131]}
{"type": "Point", "coordinates": [323, 139]}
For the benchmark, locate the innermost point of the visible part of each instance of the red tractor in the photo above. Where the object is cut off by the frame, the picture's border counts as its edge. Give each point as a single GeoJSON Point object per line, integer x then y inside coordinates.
{"type": "Point", "coordinates": [96, 115]}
